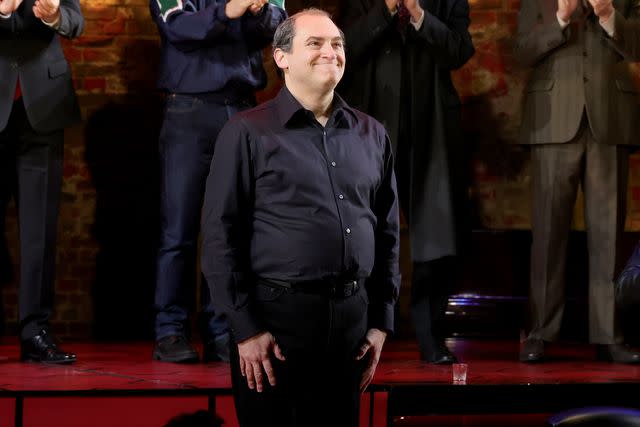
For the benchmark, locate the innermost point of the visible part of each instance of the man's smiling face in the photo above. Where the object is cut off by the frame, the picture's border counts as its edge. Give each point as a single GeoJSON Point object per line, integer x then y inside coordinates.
{"type": "Point", "coordinates": [316, 60]}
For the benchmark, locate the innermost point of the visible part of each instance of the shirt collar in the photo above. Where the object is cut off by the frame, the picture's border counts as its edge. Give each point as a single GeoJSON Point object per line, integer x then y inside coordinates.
{"type": "Point", "coordinates": [290, 110]}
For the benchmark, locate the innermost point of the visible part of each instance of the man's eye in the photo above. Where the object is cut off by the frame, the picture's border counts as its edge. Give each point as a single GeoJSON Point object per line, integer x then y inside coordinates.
{"type": "Point", "coordinates": [314, 44]}
{"type": "Point", "coordinates": [338, 45]}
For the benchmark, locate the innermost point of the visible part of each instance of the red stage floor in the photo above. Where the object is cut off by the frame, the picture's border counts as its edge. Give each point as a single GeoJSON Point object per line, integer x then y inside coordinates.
{"type": "Point", "coordinates": [119, 384]}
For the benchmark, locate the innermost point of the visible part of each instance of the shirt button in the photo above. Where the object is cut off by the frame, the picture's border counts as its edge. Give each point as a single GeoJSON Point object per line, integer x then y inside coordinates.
{"type": "Point", "coordinates": [333, 164]}
{"type": "Point", "coordinates": [340, 196]}
{"type": "Point", "coordinates": [348, 230]}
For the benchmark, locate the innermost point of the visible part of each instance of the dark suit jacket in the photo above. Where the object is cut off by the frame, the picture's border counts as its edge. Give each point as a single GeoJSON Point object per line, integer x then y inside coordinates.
{"type": "Point", "coordinates": [577, 67]}
{"type": "Point", "coordinates": [388, 74]}
{"type": "Point", "coordinates": [31, 51]}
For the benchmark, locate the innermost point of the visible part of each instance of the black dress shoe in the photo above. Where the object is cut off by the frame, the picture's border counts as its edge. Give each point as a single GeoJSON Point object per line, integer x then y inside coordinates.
{"type": "Point", "coordinates": [216, 349]}
{"type": "Point", "coordinates": [617, 353]}
{"type": "Point", "coordinates": [42, 348]}
{"type": "Point", "coordinates": [532, 350]}
{"type": "Point", "coordinates": [440, 355]}
{"type": "Point", "coordinates": [176, 349]}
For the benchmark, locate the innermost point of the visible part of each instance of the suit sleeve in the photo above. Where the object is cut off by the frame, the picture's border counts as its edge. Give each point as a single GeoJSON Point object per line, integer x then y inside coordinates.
{"type": "Point", "coordinates": [71, 22]}
{"type": "Point", "coordinates": [449, 42]}
{"type": "Point", "coordinates": [6, 24]}
{"type": "Point", "coordinates": [226, 224]}
{"type": "Point", "coordinates": [626, 37]}
{"type": "Point", "coordinates": [260, 29]}
{"type": "Point", "coordinates": [180, 23]}
{"type": "Point", "coordinates": [534, 39]}
{"type": "Point", "coordinates": [383, 286]}
{"type": "Point", "coordinates": [363, 27]}
{"type": "Point", "coordinates": [71, 19]}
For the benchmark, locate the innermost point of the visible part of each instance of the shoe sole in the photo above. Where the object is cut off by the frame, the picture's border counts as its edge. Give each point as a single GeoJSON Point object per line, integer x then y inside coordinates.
{"type": "Point", "coordinates": [531, 360]}
{"type": "Point", "coordinates": [188, 358]}
{"type": "Point", "coordinates": [31, 359]}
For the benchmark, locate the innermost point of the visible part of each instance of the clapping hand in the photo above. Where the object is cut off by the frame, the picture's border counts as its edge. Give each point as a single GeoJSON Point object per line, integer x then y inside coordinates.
{"type": "Point", "coordinates": [414, 8]}
{"type": "Point", "coordinates": [236, 8]}
{"type": "Point", "coordinates": [392, 5]}
{"type": "Point", "coordinates": [47, 10]}
{"type": "Point", "coordinates": [602, 8]}
{"type": "Point", "coordinates": [9, 6]}
{"type": "Point", "coordinates": [566, 9]}
{"type": "Point", "coordinates": [257, 6]}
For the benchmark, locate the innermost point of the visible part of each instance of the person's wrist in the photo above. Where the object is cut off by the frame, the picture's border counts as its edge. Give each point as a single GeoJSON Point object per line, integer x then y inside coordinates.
{"type": "Point", "coordinates": [563, 16]}
{"type": "Point", "coordinates": [52, 19]}
{"type": "Point", "coordinates": [416, 13]}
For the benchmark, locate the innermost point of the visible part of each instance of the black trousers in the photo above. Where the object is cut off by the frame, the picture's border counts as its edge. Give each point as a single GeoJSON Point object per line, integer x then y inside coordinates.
{"type": "Point", "coordinates": [318, 384]}
{"type": "Point", "coordinates": [432, 283]}
{"type": "Point", "coordinates": [31, 172]}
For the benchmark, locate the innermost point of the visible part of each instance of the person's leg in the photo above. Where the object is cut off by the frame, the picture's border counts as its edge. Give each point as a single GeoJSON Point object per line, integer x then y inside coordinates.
{"type": "Point", "coordinates": [556, 170]}
{"type": "Point", "coordinates": [605, 185]}
{"type": "Point", "coordinates": [432, 283]}
{"type": "Point", "coordinates": [300, 325]}
{"type": "Point", "coordinates": [340, 385]}
{"type": "Point", "coordinates": [272, 407]}
{"type": "Point", "coordinates": [186, 147]}
{"type": "Point", "coordinates": [8, 143]}
{"type": "Point", "coordinates": [39, 159]}
{"type": "Point", "coordinates": [605, 190]}
{"type": "Point", "coordinates": [38, 181]}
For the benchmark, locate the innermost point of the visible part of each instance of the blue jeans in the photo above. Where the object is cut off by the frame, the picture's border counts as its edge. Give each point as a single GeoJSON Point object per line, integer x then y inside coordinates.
{"type": "Point", "coordinates": [189, 130]}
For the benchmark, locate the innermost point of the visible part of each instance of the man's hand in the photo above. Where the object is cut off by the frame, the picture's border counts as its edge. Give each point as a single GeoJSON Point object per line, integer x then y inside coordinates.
{"type": "Point", "coordinates": [414, 8]}
{"type": "Point", "coordinates": [255, 356]}
{"type": "Point", "coordinates": [372, 344]}
{"type": "Point", "coordinates": [257, 6]}
{"type": "Point", "coordinates": [9, 6]}
{"type": "Point", "coordinates": [603, 9]}
{"type": "Point", "coordinates": [392, 5]}
{"type": "Point", "coordinates": [47, 10]}
{"type": "Point", "coordinates": [566, 9]}
{"type": "Point", "coordinates": [236, 8]}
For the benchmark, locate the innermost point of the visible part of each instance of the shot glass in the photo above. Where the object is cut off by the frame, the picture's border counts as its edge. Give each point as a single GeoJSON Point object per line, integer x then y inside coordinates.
{"type": "Point", "coordinates": [459, 371]}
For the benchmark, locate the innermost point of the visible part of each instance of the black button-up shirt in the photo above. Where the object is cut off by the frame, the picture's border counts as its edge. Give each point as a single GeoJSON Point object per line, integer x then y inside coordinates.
{"type": "Point", "coordinates": [292, 200]}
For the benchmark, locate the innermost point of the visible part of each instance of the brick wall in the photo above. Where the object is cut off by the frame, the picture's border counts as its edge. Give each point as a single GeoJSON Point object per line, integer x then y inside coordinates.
{"type": "Point", "coordinates": [109, 219]}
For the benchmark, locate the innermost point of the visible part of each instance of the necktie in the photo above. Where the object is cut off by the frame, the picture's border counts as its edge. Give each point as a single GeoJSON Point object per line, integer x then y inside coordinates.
{"type": "Point", "coordinates": [18, 93]}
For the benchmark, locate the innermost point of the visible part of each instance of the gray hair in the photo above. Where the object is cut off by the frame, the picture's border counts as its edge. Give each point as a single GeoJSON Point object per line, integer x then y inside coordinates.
{"type": "Point", "coordinates": [286, 31]}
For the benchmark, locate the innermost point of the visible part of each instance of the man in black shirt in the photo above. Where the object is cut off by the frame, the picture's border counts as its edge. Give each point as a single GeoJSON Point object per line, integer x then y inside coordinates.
{"type": "Point", "coordinates": [301, 238]}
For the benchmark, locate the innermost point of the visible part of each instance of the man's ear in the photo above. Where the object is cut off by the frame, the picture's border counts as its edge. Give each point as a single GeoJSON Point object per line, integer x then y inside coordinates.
{"type": "Point", "coordinates": [280, 59]}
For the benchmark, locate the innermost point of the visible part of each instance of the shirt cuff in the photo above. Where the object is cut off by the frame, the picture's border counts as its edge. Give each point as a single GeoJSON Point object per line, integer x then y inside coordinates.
{"type": "Point", "coordinates": [609, 25]}
{"type": "Point", "coordinates": [381, 317]}
{"type": "Point", "coordinates": [243, 324]}
{"type": "Point", "coordinates": [3, 16]}
{"type": "Point", "coordinates": [55, 24]}
{"type": "Point", "coordinates": [563, 24]}
{"type": "Point", "coordinates": [418, 24]}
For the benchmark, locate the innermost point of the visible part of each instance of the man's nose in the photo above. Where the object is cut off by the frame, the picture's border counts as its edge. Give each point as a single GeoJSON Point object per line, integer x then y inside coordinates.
{"type": "Point", "coordinates": [328, 51]}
